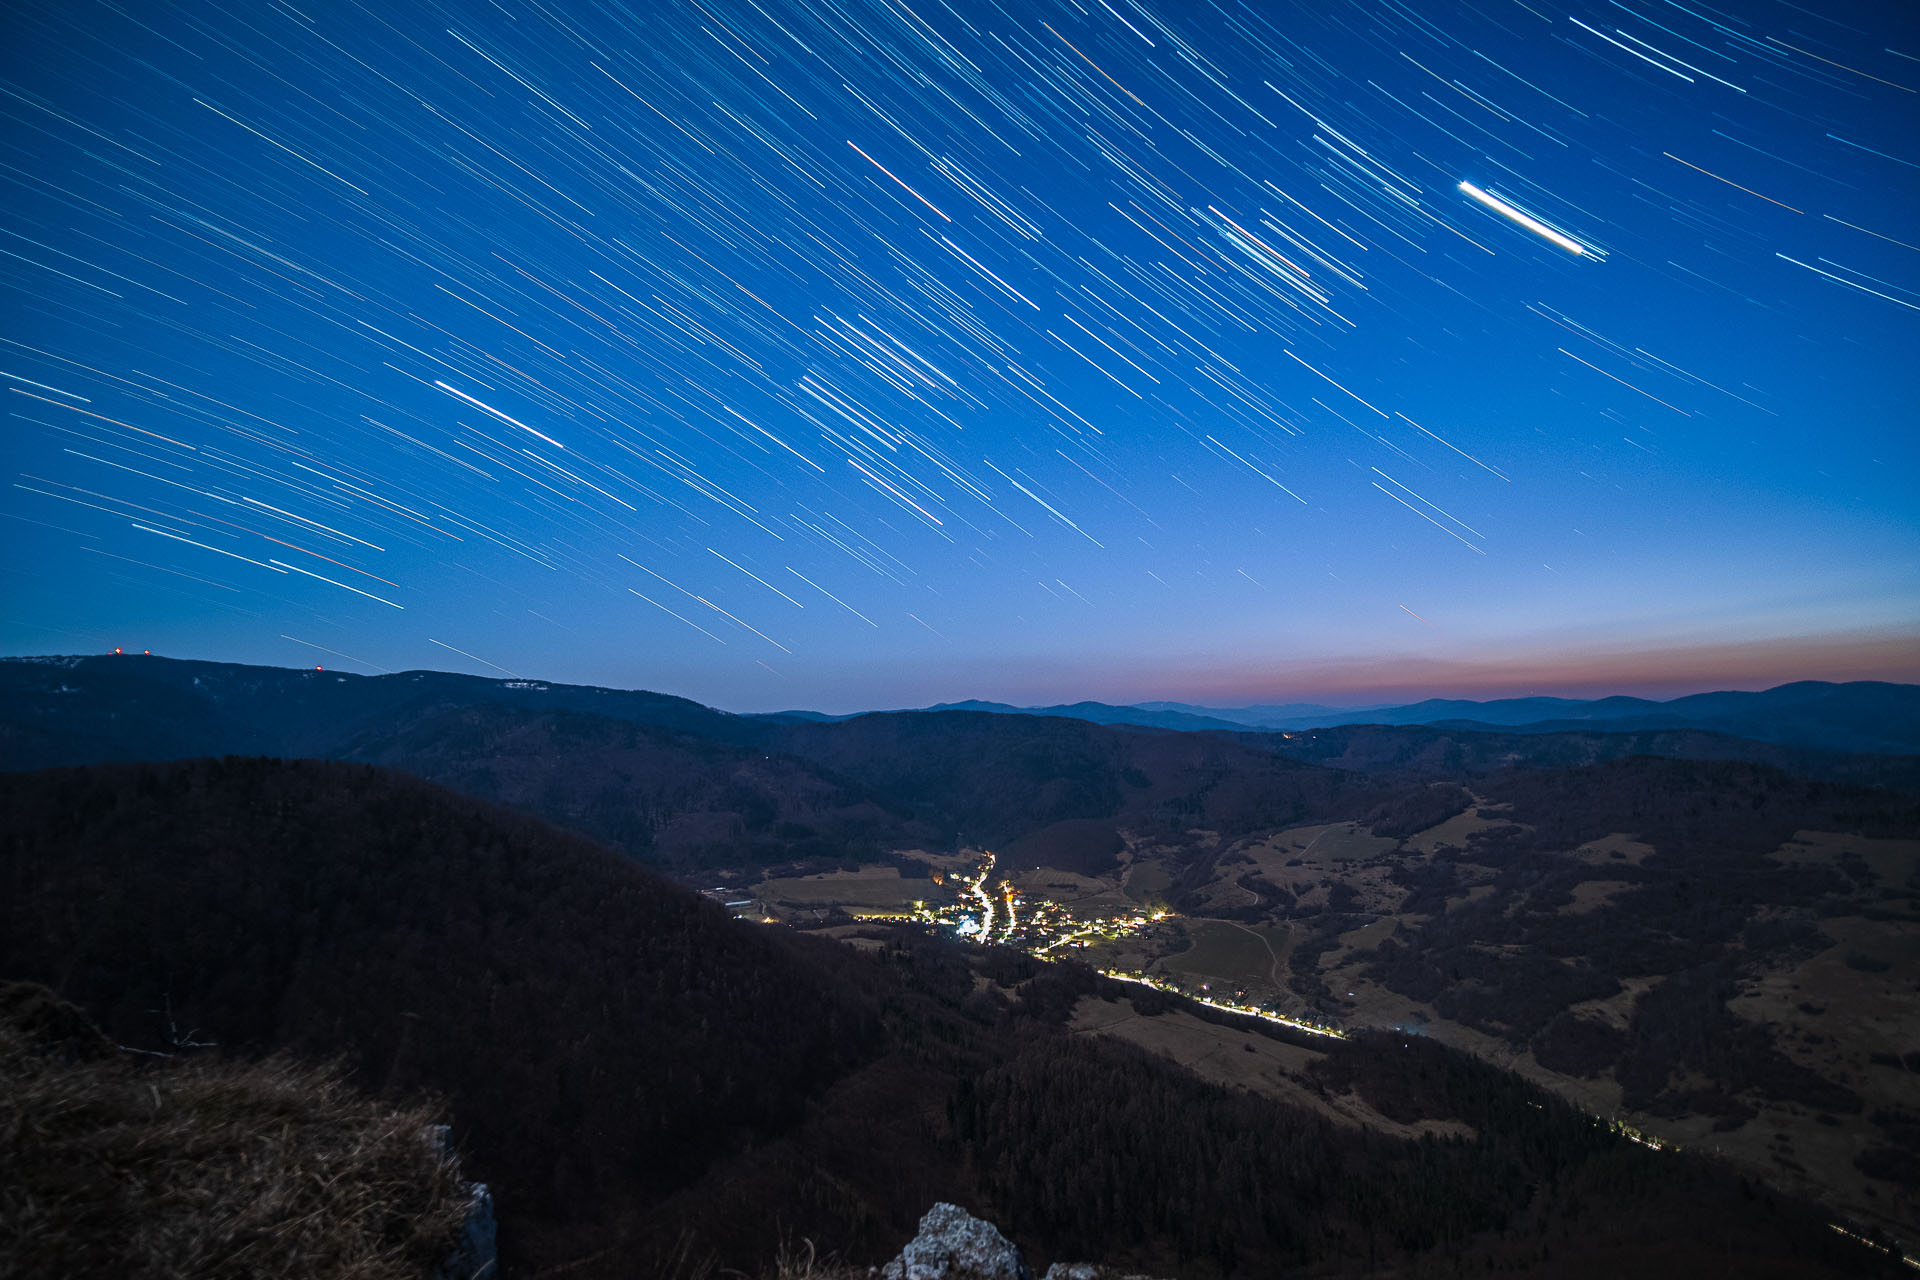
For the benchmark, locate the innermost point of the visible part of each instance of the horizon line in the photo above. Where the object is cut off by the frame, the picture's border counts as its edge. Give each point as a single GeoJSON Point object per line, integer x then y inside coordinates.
{"type": "Point", "coordinates": [1330, 702]}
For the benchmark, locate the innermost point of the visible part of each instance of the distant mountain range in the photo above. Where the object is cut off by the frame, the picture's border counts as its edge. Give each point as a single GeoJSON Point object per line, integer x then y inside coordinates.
{"type": "Point", "coordinates": [1865, 716]}
{"type": "Point", "coordinates": [1151, 715]}
{"type": "Point", "coordinates": [680, 785]}
{"type": "Point", "coordinates": [663, 778]}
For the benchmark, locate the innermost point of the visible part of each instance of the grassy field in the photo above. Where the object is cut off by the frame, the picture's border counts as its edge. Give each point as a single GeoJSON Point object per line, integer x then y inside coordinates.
{"type": "Point", "coordinates": [1894, 863]}
{"type": "Point", "coordinates": [1110, 903]}
{"type": "Point", "coordinates": [1601, 851]}
{"type": "Point", "coordinates": [867, 887]}
{"type": "Point", "coordinates": [1056, 885]}
{"type": "Point", "coordinates": [943, 863]}
{"type": "Point", "coordinates": [1365, 938]}
{"type": "Point", "coordinates": [1591, 895]}
{"type": "Point", "coordinates": [1344, 842]}
{"type": "Point", "coordinates": [1317, 846]}
{"type": "Point", "coordinates": [1233, 955]}
{"type": "Point", "coordinates": [1453, 831]}
{"type": "Point", "coordinates": [1241, 1059]}
{"type": "Point", "coordinates": [1148, 881]}
{"type": "Point", "coordinates": [1816, 1006]}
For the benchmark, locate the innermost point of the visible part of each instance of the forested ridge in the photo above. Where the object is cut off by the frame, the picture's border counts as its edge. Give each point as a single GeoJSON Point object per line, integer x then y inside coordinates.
{"type": "Point", "coordinates": [673, 783]}
{"type": "Point", "coordinates": [1706, 909]}
{"type": "Point", "coordinates": [685, 787]}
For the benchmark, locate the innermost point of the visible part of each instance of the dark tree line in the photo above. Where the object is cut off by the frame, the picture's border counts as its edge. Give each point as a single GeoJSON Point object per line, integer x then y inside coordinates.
{"type": "Point", "coordinates": [1707, 905]}
{"type": "Point", "coordinates": [600, 1033]}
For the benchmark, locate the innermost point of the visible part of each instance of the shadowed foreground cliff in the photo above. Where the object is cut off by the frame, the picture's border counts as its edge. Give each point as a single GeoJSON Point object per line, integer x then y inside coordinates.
{"type": "Point", "coordinates": [117, 1165]}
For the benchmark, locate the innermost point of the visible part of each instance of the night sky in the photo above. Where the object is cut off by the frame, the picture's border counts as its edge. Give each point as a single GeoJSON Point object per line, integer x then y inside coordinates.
{"type": "Point", "coordinates": [859, 353]}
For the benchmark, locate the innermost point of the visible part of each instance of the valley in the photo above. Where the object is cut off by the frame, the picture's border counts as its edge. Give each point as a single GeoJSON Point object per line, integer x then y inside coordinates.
{"type": "Point", "coordinates": [1712, 961]}
{"type": "Point", "coordinates": [1314, 927]}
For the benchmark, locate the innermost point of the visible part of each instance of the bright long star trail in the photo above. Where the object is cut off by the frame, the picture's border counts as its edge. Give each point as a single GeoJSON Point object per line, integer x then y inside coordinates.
{"type": "Point", "coordinates": [925, 349]}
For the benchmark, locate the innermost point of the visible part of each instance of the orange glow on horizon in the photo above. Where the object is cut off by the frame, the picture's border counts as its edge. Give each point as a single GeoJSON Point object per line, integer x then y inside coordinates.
{"type": "Point", "coordinates": [1659, 673]}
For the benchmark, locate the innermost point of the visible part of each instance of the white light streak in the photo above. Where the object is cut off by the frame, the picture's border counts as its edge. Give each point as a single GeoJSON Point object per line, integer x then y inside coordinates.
{"type": "Point", "coordinates": [343, 586]}
{"type": "Point", "coordinates": [1521, 218]}
{"type": "Point", "coordinates": [481, 404]}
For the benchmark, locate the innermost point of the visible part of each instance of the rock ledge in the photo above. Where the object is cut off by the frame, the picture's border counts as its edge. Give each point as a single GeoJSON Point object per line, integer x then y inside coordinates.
{"type": "Point", "coordinates": [955, 1245]}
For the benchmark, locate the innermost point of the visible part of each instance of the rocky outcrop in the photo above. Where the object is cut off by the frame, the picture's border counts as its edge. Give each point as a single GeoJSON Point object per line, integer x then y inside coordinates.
{"type": "Point", "coordinates": [955, 1245]}
{"type": "Point", "coordinates": [475, 1251]}
{"type": "Point", "coordinates": [475, 1254]}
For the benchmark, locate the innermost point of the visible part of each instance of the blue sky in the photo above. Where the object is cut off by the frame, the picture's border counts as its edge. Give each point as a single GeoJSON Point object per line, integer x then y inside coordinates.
{"type": "Point", "coordinates": [847, 355]}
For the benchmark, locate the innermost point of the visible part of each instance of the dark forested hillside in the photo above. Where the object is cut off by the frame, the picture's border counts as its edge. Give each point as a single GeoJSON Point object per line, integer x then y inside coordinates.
{"type": "Point", "coordinates": [1709, 899]}
{"type": "Point", "coordinates": [100, 707]}
{"type": "Point", "coordinates": [565, 1000]}
{"type": "Point", "coordinates": [1455, 749]}
{"type": "Point", "coordinates": [1857, 716]}
{"type": "Point", "coordinates": [662, 778]}
{"type": "Point", "coordinates": [640, 1076]}
{"type": "Point", "coordinates": [665, 796]}
{"type": "Point", "coordinates": [1001, 776]}
{"type": "Point", "coordinates": [683, 786]}
{"type": "Point", "coordinates": [1701, 806]}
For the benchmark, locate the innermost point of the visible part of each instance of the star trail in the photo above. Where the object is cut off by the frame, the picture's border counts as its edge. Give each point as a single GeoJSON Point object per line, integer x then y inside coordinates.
{"type": "Point", "coordinates": [848, 353]}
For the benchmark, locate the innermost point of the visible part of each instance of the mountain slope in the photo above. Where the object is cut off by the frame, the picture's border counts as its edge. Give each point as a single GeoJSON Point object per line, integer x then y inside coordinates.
{"type": "Point", "coordinates": [563, 999]}
{"type": "Point", "coordinates": [94, 708]}
{"type": "Point", "coordinates": [660, 777]}
{"type": "Point", "coordinates": [688, 788]}
{"type": "Point", "coordinates": [642, 1078]}
{"type": "Point", "coordinates": [1144, 716]}
{"type": "Point", "coordinates": [1861, 717]}
{"type": "Point", "coordinates": [1449, 749]}
{"type": "Point", "coordinates": [997, 777]}
{"type": "Point", "coordinates": [655, 776]}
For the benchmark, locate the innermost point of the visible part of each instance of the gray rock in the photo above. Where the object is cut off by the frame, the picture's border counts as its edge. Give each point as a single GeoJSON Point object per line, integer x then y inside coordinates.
{"type": "Point", "coordinates": [955, 1245]}
{"type": "Point", "coordinates": [475, 1253]}
{"type": "Point", "coordinates": [1087, 1271]}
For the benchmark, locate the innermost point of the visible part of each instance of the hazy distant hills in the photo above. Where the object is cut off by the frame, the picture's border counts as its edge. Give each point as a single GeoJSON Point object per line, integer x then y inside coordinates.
{"type": "Point", "coordinates": [1451, 748]}
{"type": "Point", "coordinates": [1166, 717]}
{"type": "Point", "coordinates": [109, 706]}
{"type": "Point", "coordinates": [684, 785]}
{"type": "Point", "coordinates": [141, 705]}
{"type": "Point", "coordinates": [1869, 717]}
{"type": "Point", "coordinates": [1158, 716]}
{"type": "Point", "coordinates": [661, 777]}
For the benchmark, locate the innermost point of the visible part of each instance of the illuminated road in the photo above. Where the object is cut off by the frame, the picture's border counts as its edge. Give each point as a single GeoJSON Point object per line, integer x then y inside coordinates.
{"type": "Point", "coordinates": [978, 889]}
{"type": "Point", "coordinates": [1248, 1011]}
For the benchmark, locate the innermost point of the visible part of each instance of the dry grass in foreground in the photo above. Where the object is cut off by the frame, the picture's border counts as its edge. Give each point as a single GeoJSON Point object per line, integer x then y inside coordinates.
{"type": "Point", "coordinates": [202, 1168]}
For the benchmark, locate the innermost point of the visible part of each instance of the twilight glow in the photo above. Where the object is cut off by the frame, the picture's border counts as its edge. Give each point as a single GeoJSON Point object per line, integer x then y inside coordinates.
{"type": "Point", "coordinates": [854, 353]}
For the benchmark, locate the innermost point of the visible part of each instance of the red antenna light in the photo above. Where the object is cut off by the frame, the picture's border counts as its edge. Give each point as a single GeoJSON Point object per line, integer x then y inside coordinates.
{"type": "Point", "coordinates": [319, 668]}
{"type": "Point", "coordinates": [116, 650]}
